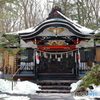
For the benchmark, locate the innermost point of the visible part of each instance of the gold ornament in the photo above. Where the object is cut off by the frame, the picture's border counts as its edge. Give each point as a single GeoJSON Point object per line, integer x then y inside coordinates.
{"type": "Point", "coordinates": [56, 42]}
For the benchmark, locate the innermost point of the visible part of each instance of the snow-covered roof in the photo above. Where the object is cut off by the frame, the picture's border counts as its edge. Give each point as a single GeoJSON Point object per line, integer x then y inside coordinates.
{"type": "Point", "coordinates": [82, 29]}
{"type": "Point", "coordinates": [65, 22]}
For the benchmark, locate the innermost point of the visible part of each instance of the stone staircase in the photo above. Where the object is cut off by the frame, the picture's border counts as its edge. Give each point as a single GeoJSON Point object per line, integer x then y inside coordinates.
{"type": "Point", "coordinates": [55, 86]}
{"type": "Point", "coordinates": [56, 76]}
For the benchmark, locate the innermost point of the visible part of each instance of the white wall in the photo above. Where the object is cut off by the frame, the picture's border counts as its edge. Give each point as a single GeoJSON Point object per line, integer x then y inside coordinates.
{"type": "Point", "coordinates": [27, 44]}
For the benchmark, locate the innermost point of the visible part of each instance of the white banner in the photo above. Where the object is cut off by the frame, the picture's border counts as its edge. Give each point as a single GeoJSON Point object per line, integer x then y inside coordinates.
{"type": "Point", "coordinates": [37, 58]}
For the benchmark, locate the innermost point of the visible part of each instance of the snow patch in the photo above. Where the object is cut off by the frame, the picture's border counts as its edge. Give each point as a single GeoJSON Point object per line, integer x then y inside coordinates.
{"type": "Point", "coordinates": [75, 85]}
{"type": "Point", "coordinates": [24, 87]}
{"type": "Point", "coordinates": [17, 98]}
{"type": "Point", "coordinates": [8, 97]}
{"type": "Point", "coordinates": [90, 91]}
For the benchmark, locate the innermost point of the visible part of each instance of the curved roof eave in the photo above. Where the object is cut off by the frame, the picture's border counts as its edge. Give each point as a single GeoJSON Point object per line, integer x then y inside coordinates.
{"type": "Point", "coordinates": [50, 23]}
{"type": "Point", "coordinates": [83, 29]}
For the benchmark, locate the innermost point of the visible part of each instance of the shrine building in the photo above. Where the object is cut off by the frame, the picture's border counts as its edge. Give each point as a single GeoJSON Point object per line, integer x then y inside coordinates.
{"type": "Point", "coordinates": [56, 48]}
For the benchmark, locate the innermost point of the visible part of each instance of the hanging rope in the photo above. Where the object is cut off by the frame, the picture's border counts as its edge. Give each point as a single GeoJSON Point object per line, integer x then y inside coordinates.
{"type": "Point", "coordinates": [56, 54]}
{"type": "Point", "coordinates": [72, 54]}
{"type": "Point", "coordinates": [61, 56]}
{"type": "Point", "coordinates": [50, 56]}
{"type": "Point", "coordinates": [66, 55]}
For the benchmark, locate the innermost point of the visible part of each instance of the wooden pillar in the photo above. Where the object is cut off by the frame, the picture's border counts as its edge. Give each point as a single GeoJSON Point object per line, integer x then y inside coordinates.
{"type": "Point", "coordinates": [5, 58]}
{"type": "Point", "coordinates": [9, 61]}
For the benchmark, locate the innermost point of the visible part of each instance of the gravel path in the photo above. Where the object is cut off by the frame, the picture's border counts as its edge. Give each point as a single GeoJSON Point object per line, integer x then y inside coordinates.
{"type": "Point", "coordinates": [44, 96]}
{"type": "Point", "coordinates": [52, 96]}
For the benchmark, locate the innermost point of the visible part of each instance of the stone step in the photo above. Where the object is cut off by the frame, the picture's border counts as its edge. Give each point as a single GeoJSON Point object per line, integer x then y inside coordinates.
{"type": "Point", "coordinates": [55, 82]}
{"type": "Point", "coordinates": [63, 87]}
{"type": "Point", "coordinates": [59, 77]}
{"type": "Point", "coordinates": [53, 91]}
{"type": "Point", "coordinates": [55, 86]}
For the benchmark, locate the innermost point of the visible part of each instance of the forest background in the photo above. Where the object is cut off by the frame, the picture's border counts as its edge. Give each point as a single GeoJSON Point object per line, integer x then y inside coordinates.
{"type": "Point", "coordinates": [18, 15]}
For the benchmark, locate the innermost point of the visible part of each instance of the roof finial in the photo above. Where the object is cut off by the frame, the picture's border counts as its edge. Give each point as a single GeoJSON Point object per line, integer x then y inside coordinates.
{"type": "Point", "coordinates": [56, 7]}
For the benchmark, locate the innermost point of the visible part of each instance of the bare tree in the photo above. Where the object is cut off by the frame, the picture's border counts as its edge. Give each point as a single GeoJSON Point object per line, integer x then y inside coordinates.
{"type": "Point", "coordinates": [8, 15]}
{"type": "Point", "coordinates": [28, 13]}
{"type": "Point", "coordinates": [86, 12]}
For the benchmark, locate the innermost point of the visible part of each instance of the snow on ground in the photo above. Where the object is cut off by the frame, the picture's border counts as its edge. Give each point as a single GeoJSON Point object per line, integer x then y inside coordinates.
{"type": "Point", "coordinates": [85, 97]}
{"type": "Point", "coordinates": [8, 97]}
{"type": "Point", "coordinates": [17, 98]}
{"type": "Point", "coordinates": [75, 85]}
{"type": "Point", "coordinates": [92, 94]}
{"type": "Point", "coordinates": [21, 87]}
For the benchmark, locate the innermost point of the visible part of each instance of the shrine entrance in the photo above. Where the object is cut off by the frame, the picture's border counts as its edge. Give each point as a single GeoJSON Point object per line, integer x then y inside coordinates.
{"type": "Point", "coordinates": [57, 64]}
{"type": "Point", "coordinates": [57, 58]}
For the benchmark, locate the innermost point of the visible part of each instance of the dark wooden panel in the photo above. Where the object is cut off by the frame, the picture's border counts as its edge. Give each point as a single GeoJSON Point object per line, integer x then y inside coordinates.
{"type": "Point", "coordinates": [87, 55]}
{"type": "Point", "coordinates": [82, 52]}
{"type": "Point", "coordinates": [30, 55]}
{"type": "Point", "coordinates": [27, 55]}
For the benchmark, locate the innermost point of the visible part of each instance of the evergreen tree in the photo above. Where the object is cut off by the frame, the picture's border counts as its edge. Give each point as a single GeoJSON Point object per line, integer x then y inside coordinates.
{"type": "Point", "coordinates": [7, 42]}
{"type": "Point", "coordinates": [8, 9]}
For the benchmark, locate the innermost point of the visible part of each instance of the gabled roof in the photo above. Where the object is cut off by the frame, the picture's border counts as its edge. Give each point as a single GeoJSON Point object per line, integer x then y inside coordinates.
{"type": "Point", "coordinates": [56, 18]}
